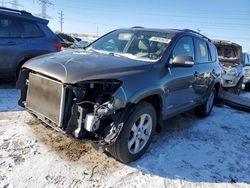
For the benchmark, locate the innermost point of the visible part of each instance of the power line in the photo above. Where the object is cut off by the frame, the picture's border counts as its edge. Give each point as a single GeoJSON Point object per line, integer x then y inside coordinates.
{"type": "Point", "coordinates": [157, 14]}
{"type": "Point", "coordinates": [122, 5]}
{"type": "Point", "coordinates": [61, 18]}
{"type": "Point", "coordinates": [15, 4]}
{"type": "Point", "coordinates": [217, 26]}
{"type": "Point", "coordinates": [123, 26]}
{"type": "Point", "coordinates": [44, 4]}
{"type": "Point", "coordinates": [186, 19]}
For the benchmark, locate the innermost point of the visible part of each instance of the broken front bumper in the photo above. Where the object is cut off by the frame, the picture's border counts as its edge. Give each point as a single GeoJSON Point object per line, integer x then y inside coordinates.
{"type": "Point", "coordinates": [230, 81]}
{"type": "Point", "coordinates": [74, 109]}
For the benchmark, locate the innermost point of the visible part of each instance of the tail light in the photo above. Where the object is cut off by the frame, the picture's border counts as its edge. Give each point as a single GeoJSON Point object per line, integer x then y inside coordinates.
{"type": "Point", "coordinates": [58, 46]}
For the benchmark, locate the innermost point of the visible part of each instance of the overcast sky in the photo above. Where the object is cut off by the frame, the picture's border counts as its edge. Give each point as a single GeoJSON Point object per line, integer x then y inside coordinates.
{"type": "Point", "coordinates": [220, 19]}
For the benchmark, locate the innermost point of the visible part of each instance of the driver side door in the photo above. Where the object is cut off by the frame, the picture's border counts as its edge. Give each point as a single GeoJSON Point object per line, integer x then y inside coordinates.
{"type": "Point", "coordinates": [179, 92]}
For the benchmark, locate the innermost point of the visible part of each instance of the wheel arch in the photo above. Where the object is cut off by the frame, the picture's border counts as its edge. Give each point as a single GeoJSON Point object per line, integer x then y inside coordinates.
{"type": "Point", "coordinates": [157, 102]}
{"type": "Point", "coordinates": [20, 64]}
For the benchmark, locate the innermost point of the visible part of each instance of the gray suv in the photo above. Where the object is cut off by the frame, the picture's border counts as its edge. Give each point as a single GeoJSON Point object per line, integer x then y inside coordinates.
{"type": "Point", "coordinates": [22, 37]}
{"type": "Point", "coordinates": [118, 90]}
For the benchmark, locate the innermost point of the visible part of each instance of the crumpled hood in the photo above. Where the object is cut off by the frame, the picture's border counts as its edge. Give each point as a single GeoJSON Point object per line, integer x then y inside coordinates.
{"type": "Point", "coordinates": [73, 66]}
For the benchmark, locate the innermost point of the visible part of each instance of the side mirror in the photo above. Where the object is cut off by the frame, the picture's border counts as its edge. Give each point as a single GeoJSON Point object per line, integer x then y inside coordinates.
{"type": "Point", "coordinates": [182, 61]}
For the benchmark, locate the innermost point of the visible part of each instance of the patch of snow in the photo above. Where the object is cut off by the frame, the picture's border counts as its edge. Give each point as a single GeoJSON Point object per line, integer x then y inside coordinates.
{"type": "Point", "coordinates": [190, 152]}
{"type": "Point", "coordinates": [8, 100]}
{"type": "Point", "coordinates": [245, 94]}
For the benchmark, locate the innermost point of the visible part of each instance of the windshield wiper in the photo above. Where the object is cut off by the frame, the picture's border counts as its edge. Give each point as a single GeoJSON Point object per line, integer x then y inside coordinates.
{"type": "Point", "coordinates": [129, 56]}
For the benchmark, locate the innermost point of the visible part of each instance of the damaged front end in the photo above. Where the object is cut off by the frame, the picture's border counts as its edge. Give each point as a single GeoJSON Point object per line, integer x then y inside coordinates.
{"type": "Point", "coordinates": [87, 110]}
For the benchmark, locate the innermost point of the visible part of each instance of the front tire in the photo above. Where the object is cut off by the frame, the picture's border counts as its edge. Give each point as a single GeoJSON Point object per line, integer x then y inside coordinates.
{"type": "Point", "coordinates": [237, 89]}
{"type": "Point", "coordinates": [135, 137]}
{"type": "Point", "coordinates": [205, 109]}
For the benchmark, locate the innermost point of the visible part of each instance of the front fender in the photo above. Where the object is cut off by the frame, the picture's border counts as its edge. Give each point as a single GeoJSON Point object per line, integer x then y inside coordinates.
{"type": "Point", "coordinates": [135, 97]}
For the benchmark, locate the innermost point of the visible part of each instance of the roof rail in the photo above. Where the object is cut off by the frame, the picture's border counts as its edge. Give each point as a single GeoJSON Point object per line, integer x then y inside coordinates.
{"type": "Point", "coordinates": [196, 33]}
{"type": "Point", "coordinates": [137, 27]}
{"type": "Point", "coordinates": [22, 12]}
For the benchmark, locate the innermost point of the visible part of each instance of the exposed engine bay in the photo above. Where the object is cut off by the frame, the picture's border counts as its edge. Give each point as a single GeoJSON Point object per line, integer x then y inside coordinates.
{"type": "Point", "coordinates": [230, 55]}
{"type": "Point", "coordinates": [85, 110]}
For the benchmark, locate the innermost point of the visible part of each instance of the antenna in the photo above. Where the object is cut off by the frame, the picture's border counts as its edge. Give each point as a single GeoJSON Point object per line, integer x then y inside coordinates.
{"type": "Point", "coordinates": [44, 4]}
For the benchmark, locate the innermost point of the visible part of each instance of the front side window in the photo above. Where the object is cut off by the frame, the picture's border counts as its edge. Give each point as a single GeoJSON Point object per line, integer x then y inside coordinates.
{"type": "Point", "coordinates": [9, 28]}
{"type": "Point", "coordinates": [201, 51]}
{"type": "Point", "coordinates": [31, 30]}
{"type": "Point", "coordinates": [134, 44]}
{"type": "Point", "coordinates": [184, 47]}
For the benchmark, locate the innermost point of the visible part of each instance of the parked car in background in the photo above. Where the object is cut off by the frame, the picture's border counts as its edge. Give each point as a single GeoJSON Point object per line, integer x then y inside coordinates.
{"type": "Point", "coordinates": [67, 37]}
{"type": "Point", "coordinates": [118, 91]}
{"type": "Point", "coordinates": [246, 70]}
{"type": "Point", "coordinates": [230, 57]}
{"type": "Point", "coordinates": [80, 45]}
{"type": "Point", "coordinates": [78, 39]}
{"type": "Point", "coordinates": [65, 43]}
{"type": "Point", "coordinates": [22, 37]}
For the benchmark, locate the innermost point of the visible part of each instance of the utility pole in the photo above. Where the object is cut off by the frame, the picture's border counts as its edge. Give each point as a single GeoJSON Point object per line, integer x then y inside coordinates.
{"type": "Point", "coordinates": [61, 19]}
{"type": "Point", "coordinates": [2, 3]}
{"type": "Point", "coordinates": [44, 5]}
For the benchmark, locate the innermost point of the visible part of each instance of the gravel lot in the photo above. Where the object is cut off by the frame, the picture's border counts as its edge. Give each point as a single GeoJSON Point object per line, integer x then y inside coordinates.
{"type": "Point", "coordinates": [190, 152]}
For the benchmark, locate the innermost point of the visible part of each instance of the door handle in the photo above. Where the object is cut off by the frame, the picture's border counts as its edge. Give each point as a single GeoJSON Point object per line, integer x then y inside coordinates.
{"type": "Point", "coordinates": [8, 43]}
{"type": "Point", "coordinates": [11, 43]}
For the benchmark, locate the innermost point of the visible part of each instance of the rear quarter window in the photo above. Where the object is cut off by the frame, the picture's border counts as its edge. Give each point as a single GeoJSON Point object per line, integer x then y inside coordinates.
{"type": "Point", "coordinates": [213, 52]}
{"type": "Point", "coordinates": [31, 30]}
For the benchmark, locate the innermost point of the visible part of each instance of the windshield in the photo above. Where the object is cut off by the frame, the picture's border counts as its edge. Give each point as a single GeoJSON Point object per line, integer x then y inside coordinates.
{"type": "Point", "coordinates": [135, 44]}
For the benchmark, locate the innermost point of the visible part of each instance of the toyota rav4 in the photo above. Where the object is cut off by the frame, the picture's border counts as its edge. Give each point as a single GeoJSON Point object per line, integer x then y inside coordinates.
{"type": "Point", "coordinates": [118, 90]}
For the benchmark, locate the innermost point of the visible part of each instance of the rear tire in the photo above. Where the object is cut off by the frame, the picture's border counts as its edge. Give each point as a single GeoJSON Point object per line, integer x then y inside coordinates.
{"type": "Point", "coordinates": [136, 134]}
{"type": "Point", "coordinates": [205, 109]}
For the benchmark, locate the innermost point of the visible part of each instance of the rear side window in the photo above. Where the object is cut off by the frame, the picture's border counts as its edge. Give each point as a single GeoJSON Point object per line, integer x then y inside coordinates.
{"type": "Point", "coordinates": [184, 47]}
{"type": "Point", "coordinates": [201, 51]}
{"type": "Point", "coordinates": [31, 30]}
{"type": "Point", "coordinates": [213, 52]}
{"type": "Point", "coordinates": [9, 28]}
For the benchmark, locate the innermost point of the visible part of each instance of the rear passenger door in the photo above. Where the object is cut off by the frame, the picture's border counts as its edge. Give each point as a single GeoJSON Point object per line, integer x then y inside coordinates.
{"type": "Point", "coordinates": [203, 69]}
{"type": "Point", "coordinates": [11, 44]}
{"type": "Point", "coordinates": [35, 39]}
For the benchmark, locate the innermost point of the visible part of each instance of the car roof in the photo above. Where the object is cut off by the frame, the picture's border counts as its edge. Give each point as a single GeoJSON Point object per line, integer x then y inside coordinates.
{"type": "Point", "coordinates": [172, 32]}
{"type": "Point", "coordinates": [21, 14]}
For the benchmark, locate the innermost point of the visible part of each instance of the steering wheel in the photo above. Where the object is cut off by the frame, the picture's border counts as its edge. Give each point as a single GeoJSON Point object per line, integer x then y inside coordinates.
{"type": "Point", "coordinates": [111, 47]}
